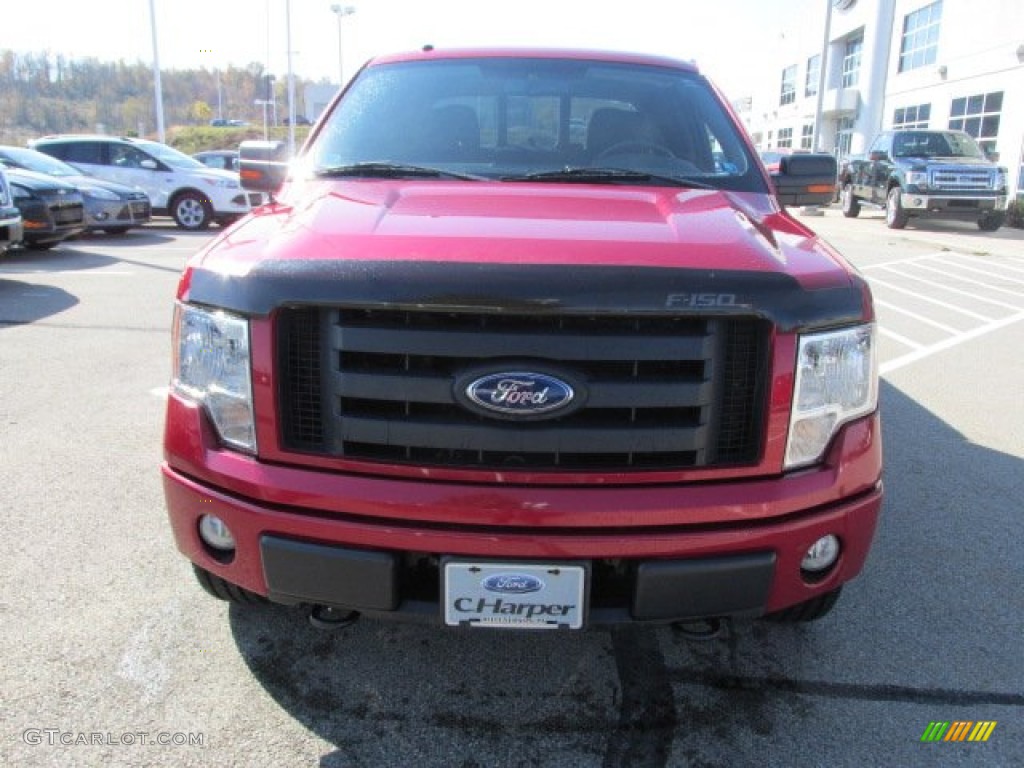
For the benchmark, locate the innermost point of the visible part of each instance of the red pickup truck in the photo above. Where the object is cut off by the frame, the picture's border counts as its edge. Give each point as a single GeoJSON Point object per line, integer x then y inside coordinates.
{"type": "Point", "coordinates": [525, 339]}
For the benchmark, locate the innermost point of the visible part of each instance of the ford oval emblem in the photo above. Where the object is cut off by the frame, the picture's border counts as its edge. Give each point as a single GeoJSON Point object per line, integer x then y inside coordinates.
{"type": "Point", "coordinates": [520, 393]}
{"type": "Point", "coordinates": [512, 583]}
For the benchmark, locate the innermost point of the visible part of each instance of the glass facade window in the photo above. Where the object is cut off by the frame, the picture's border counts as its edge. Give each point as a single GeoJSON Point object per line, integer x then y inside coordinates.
{"type": "Point", "coordinates": [788, 94]}
{"type": "Point", "coordinates": [916, 117]}
{"type": "Point", "coordinates": [920, 41]}
{"type": "Point", "coordinates": [844, 136]}
{"type": "Point", "coordinates": [807, 136]}
{"type": "Point", "coordinates": [851, 61]}
{"type": "Point", "coordinates": [813, 76]}
{"type": "Point", "coordinates": [785, 137]}
{"type": "Point", "coordinates": [978, 116]}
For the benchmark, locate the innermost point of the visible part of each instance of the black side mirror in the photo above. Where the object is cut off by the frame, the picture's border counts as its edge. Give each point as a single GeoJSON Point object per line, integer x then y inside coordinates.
{"type": "Point", "coordinates": [806, 179]}
{"type": "Point", "coordinates": [263, 165]}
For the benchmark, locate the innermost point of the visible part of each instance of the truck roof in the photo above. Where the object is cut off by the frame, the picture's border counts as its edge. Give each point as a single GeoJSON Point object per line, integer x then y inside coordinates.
{"type": "Point", "coordinates": [430, 53]}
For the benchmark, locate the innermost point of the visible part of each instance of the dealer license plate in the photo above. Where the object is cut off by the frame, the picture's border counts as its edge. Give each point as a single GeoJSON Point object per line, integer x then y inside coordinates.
{"type": "Point", "coordinates": [514, 595]}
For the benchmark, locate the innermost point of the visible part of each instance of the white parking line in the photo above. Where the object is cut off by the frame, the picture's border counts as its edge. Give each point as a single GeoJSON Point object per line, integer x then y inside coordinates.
{"type": "Point", "coordinates": [1001, 263]}
{"type": "Point", "coordinates": [950, 289]}
{"type": "Point", "coordinates": [915, 316]}
{"type": "Point", "coordinates": [930, 300]}
{"type": "Point", "coordinates": [899, 339]}
{"type": "Point", "coordinates": [978, 271]}
{"type": "Point", "coordinates": [954, 341]}
{"type": "Point", "coordinates": [897, 262]}
{"type": "Point", "coordinates": [962, 279]}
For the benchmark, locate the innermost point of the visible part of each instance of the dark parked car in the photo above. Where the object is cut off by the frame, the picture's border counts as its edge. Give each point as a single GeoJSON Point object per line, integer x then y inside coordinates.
{"type": "Point", "coordinates": [109, 206]}
{"type": "Point", "coordinates": [51, 210]}
{"type": "Point", "coordinates": [10, 217]}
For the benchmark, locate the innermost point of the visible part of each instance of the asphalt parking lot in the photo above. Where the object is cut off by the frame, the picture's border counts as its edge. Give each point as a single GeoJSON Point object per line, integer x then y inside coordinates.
{"type": "Point", "coordinates": [112, 655]}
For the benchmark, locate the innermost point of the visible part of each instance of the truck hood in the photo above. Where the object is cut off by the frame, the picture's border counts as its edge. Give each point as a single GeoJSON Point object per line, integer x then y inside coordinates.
{"type": "Point", "coordinates": [550, 247]}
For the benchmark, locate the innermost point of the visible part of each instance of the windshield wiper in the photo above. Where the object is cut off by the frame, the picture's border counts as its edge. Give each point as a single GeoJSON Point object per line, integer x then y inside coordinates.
{"type": "Point", "coordinates": [392, 171]}
{"type": "Point", "coordinates": [586, 175]}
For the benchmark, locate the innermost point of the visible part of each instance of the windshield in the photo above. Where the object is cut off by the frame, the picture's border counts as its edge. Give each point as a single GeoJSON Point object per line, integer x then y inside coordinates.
{"type": "Point", "coordinates": [537, 119]}
{"type": "Point", "coordinates": [936, 144]}
{"type": "Point", "coordinates": [31, 160]}
{"type": "Point", "coordinates": [171, 157]}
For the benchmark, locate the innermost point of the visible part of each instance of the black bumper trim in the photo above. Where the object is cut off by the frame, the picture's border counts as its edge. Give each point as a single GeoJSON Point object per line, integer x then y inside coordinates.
{"type": "Point", "coordinates": [298, 571]}
{"type": "Point", "coordinates": [369, 581]}
{"type": "Point", "coordinates": [721, 586]}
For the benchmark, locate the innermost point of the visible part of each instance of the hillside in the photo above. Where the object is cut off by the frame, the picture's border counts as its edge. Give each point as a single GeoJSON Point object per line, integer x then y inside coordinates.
{"type": "Point", "coordinates": [44, 93]}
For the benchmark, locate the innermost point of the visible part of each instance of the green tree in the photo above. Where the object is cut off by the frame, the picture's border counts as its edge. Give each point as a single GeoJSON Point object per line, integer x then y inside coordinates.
{"type": "Point", "coordinates": [200, 111]}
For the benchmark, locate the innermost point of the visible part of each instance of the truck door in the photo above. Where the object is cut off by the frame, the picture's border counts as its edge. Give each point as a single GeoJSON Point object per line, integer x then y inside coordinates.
{"type": "Point", "coordinates": [879, 167]}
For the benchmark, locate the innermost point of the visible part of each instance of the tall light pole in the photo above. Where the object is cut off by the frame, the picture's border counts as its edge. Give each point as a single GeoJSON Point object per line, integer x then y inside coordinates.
{"type": "Point", "coordinates": [159, 93]}
{"type": "Point", "coordinates": [291, 80]}
{"type": "Point", "coordinates": [822, 81]}
{"type": "Point", "coordinates": [341, 10]}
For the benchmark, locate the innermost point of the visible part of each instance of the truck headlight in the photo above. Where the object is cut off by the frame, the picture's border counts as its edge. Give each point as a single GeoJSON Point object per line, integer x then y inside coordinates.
{"type": "Point", "coordinates": [212, 367]}
{"type": "Point", "coordinates": [917, 179]}
{"type": "Point", "coordinates": [999, 180]}
{"type": "Point", "coordinates": [836, 382]}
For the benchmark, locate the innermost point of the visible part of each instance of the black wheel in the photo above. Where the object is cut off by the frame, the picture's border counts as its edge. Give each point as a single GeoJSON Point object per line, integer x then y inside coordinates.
{"type": "Point", "coordinates": [811, 610]}
{"type": "Point", "coordinates": [990, 221]}
{"type": "Point", "coordinates": [895, 216]}
{"type": "Point", "coordinates": [849, 201]}
{"type": "Point", "coordinates": [191, 211]}
{"type": "Point", "coordinates": [225, 590]}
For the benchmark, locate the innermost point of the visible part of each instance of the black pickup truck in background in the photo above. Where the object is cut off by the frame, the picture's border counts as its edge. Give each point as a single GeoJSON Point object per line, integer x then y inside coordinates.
{"type": "Point", "coordinates": [921, 173]}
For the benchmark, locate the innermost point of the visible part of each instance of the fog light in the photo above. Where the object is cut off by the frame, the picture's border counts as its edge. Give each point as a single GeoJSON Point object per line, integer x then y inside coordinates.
{"type": "Point", "coordinates": [821, 555]}
{"type": "Point", "coordinates": [216, 533]}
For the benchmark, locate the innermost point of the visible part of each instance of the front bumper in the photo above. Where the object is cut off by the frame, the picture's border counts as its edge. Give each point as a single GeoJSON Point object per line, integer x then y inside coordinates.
{"type": "Point", "coordinates": [373, 544]}
{"type": "Point", "coordinates": [116, 214]}
{"type": "Point", "coordinates": [10, 227]}
{"type": "Point", "coordinates": [950, 205]}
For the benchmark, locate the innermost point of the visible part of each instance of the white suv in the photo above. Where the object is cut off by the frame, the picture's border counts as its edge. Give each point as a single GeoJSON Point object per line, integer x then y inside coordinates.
{"type": "Point", "coordinates": [177, 185]}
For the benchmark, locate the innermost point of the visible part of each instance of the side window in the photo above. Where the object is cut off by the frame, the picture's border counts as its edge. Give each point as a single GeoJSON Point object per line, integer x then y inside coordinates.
{"type": "Point", "coordinates": [882, 144]}
{"type": "Point", "coordinates": [81, 152]}
{"type": "Point", "coordinates": [127, 157]}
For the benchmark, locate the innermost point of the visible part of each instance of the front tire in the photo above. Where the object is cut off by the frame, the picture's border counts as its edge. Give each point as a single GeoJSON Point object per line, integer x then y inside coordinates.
{"type": "Point", "coordinates": [810, 610]}
{"type": "Point", "coordinates": [191, 211]}
{"type": "Point", "coordinates": [990, 221]}
{"type": "Point", "coordinates": [849, 201]}
{"type": "Point", "coordinates": [895, 216]}
{"type": "Point", "coordinates": [225, 590]}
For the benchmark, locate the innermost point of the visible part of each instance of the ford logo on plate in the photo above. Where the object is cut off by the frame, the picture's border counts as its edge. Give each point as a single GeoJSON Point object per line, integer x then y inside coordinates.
{"type": "Point", "coordinates": [512, 583]}
{"type": "Point", "coordinates": [520, 393]}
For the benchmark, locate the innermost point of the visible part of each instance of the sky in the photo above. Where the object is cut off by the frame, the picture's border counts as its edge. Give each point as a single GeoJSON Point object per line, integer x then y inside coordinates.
{"type": "Point", "coordinates": [725, 37]}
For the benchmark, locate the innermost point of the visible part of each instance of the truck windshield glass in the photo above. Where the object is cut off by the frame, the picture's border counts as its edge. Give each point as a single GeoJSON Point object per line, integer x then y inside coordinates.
{"type": "Point", "coordinates": [935, 144]}
{"type": "Point", "coordinates": [510, 118]}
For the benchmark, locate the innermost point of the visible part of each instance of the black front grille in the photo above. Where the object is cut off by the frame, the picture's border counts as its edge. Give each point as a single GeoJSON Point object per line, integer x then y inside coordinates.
{"type": "Point", "coordinates": [662, 392]}
{"type": "Point", "coordinates": [68, 214]}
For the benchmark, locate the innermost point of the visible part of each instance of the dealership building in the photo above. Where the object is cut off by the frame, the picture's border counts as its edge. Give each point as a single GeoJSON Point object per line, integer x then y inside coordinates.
{"type": "Point", "coordinates": [843, 70]}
